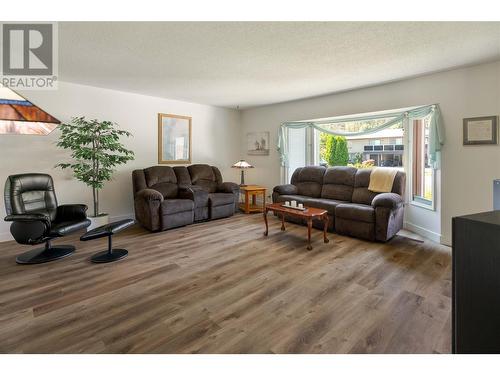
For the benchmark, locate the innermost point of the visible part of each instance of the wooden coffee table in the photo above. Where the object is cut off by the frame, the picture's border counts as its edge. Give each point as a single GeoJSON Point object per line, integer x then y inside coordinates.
{"type": "Point", "coordinates": [309, 214]}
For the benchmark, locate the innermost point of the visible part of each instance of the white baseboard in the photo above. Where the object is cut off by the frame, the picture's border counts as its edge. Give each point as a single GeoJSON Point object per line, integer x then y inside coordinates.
{"type": "Point", "coordinates": [445, 241]}
{"type": "Point", "coordinates": [6, 236]}
{"type": "Point", "coordinates": [433, 236]}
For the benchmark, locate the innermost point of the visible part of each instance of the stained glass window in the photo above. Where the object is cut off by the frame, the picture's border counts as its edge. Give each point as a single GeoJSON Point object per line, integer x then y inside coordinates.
{"type": "Point", "coordinates": [19, 116]}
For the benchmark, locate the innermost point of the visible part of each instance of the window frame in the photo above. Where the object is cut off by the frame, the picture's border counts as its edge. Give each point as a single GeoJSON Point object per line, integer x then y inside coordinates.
{"type": "Point", "coordinates": [309, 152]}
{"type": "Point", "coordinates": [312, 140]}
{"type": "Point", "coordinates": [412, 198]}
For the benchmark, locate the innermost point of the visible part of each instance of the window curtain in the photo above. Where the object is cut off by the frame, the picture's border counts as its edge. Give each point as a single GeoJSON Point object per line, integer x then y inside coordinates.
{"type": "Point", "coordinates": [436, 134]}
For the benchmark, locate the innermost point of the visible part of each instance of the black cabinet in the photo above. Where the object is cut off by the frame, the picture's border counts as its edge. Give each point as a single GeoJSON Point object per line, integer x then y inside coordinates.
{"type": "Point", "coordinates": [476, 283]}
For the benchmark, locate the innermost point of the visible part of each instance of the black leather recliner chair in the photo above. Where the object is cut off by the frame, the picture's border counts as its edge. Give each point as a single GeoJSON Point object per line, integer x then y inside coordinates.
{"type": "Point", "coordinates": [31, 205]}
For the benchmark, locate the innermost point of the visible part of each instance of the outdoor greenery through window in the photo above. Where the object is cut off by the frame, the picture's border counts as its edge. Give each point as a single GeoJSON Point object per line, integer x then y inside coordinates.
{"type": "Point", "coordinates": [380, 149]}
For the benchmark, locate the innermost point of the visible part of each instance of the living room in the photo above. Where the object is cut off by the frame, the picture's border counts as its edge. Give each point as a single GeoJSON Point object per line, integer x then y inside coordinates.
{"type": "Point", "coordinates": [239, 187]}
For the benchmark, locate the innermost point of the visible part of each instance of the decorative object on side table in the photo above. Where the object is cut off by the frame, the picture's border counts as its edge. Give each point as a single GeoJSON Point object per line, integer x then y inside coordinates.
{"type": "Point", "coordinates": [174, 139]}
{"type": "Point", "coordinates": [109, 255]}
{"type": "Point", "coordinates": [96, 149]}
{"type": "Point", "coordinates": [242, 164]}
{"type": "Point", "coordinates": [253, 191]}
{"type": "Point", "coordinates": [480, 130]}
{"type": "Point", "coordinates": [308, 214]}
{"type": "Point", "coordinates": [258, 143]}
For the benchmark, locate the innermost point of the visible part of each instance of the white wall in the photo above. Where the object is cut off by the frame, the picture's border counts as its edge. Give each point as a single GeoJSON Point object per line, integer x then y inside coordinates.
{"type": "Point", "coordinates": [215, 134]}
{"type": "Point", "coordinates": [466, 177]}
{"type": "Point", "coordinates": [467, 172]}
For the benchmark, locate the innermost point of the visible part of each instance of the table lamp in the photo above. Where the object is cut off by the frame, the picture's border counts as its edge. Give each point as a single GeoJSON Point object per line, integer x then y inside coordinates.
{"type": "Point", "coordinates": [242, 164]}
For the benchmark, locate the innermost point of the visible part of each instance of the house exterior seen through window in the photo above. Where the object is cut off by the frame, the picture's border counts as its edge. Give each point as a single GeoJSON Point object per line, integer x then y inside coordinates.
{"type": "Point", "coordinates": [403, 146]}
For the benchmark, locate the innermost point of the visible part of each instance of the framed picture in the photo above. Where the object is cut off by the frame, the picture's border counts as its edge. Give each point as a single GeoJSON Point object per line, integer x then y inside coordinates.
{"type": "Point", "coordinates": [174, 139]}
{"type": "Point", "coordinates": [480, 130]}
{"type": "Point", "coordinates": [258, 143]}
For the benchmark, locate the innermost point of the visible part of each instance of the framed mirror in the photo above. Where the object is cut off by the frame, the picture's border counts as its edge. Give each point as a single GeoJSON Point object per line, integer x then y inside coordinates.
{"type": "Point", "coordinates": [174, 139]}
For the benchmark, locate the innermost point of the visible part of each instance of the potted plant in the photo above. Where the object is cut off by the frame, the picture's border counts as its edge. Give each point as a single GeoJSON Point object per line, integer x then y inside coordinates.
{"type": "Point", "coordinates": [96, 149]}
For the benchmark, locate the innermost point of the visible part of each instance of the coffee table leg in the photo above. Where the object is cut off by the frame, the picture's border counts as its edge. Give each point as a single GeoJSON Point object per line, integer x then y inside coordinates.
{"type": "Point", "coordinates": [282, 221]}
{"type": "Point", "coordinates": [309, 226]}
{"type": "Point", "coordinates": [265, 220]}
{"type": "Point", "coordinates": [325, 239]}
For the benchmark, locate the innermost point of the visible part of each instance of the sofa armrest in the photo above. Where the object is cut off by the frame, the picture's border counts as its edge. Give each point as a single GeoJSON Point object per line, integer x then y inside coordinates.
{"type": "Point", "coordinates": [228, 187]}
{"type": "Point", "coordinates": [147, 204]}
{"type": "Point", "coordinates": [389, 200]}
{"type": "Point", "coordinates": [285, 189]}
{"type": "Point", "coordinates": [149, 195]}
{"type": "Point", "coordinates": [198, 195]}
{"type": "Point", "coordinates": [26, 218]}
{"type": "Point", "coordinates": [71, 212]}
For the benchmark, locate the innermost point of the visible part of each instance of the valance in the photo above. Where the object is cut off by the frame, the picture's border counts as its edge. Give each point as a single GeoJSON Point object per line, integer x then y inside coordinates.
{"type": "Point", "coordinates": [436, 135]}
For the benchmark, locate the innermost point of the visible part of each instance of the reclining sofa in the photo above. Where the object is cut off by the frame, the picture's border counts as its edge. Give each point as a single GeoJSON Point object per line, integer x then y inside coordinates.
{"type": "Point", "coordinates": [353, 210]}
{"type": "Point", "coordinates": [168, 197]}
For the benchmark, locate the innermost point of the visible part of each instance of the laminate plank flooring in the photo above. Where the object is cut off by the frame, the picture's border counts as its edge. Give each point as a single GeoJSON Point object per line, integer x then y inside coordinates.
{"type": "Point", "coordinates": [222, 287]}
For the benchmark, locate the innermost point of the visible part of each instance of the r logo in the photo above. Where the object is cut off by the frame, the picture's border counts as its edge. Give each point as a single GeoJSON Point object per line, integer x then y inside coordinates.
{"type": "Point", "coordinates": [27, 49]}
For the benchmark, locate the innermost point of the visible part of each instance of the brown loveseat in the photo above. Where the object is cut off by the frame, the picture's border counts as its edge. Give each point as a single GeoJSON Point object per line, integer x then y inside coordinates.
{"type": "Point", "coordinates": [353, 210]}
{"type": "Point", "coordinates": [168, 197]}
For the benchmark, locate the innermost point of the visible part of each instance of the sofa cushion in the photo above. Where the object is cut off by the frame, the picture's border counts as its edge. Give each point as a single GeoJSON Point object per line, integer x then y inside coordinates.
{"type": "Point", "coordinates": [182, 174]}
{"type": "Point", "coordinates": [220, 199]}
{"type": "Point", "coordinates": [361, 194]}
{"type": "Point", "coordinates": [203, 175]}
{"type": "Point", "coordinates": [326, 204]}
{"type": "Point", "coordinates": [355, 212]}
{"type": "Point", "coordinates": [338, 183]}
{"type": "Point", "coordinates": [162, 179]}
{"type": "Point", "coordinates": [309, 180]}
{"type": "Point", "coordinates": [399, 184]}
{"type": "Point", "coordinates": [173, 206]}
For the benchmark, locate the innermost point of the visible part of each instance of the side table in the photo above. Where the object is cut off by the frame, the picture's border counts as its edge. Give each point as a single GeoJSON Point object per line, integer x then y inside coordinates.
{"type": "Point", "coordinates": [250, 204]}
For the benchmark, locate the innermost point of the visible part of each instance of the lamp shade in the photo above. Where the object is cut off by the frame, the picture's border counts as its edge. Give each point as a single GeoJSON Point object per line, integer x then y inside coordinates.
{"type": "Point", "coordinates": [242, 164]}
{"type": "Point", "coordinates": [19, 116]}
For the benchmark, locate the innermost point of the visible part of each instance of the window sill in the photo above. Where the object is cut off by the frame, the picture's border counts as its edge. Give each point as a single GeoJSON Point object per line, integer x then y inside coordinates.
{"type": "Point", "coordinates": [430, 207]}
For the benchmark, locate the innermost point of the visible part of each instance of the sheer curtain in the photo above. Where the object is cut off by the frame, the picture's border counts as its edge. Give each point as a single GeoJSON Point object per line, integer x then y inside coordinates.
{"type": "Point", "coordinates": [436, 136]}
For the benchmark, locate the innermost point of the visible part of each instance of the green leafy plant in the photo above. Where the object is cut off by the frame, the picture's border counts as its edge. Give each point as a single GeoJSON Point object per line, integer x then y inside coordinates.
{"type": "Point", "coordinates": [330, 148]}
{"type": "Point", "coordinates": [341, 156]}
{"type": "Point", "coordinates": [370, 163]}
{"type": "Point", "coordinates": [96, 149]}
{"type": "Point", "coordinates": [358, 157]}
{"type": "Point", "coordinates": [336, 151]}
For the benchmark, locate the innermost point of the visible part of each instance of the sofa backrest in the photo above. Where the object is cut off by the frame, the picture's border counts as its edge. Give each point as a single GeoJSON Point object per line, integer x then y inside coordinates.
{"type": "Point", "coordinates": [205, 176]}
{"type": "Point", "coordinates": [341, 183]}
{"type": "Point", "coordinates": [30, 193]}
{"type": "Point", "coordinates": [361, 194]}
{"type": "Point", "coordinates": [338, 183]}
{"type": "Point", "coordinates": [309, 180]}
{"type": "Point", "coordinates": [160, 178]}
{"type": "Point", "coordinates": [182, 174]}
{"type": "Point", "coordinates": [399, 185]}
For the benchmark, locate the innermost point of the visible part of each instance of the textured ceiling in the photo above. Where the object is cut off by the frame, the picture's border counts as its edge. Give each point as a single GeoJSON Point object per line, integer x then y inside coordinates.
{"type": "Point", "coordinates": [256, 63]}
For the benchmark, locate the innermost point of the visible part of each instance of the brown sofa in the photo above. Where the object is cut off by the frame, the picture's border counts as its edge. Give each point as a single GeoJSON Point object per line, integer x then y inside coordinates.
{"type": "Point", "coordinates": [353, 210]}
{"type": "Point", "coordinates": [168, 197]}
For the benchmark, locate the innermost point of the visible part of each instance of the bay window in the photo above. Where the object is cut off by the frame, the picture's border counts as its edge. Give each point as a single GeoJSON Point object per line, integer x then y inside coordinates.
{"type": "Point", "coordinates": [397, 139]}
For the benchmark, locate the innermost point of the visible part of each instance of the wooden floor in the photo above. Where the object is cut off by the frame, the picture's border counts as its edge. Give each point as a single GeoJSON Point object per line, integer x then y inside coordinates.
{"type": "Point", "coordinates": [221, 287]}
